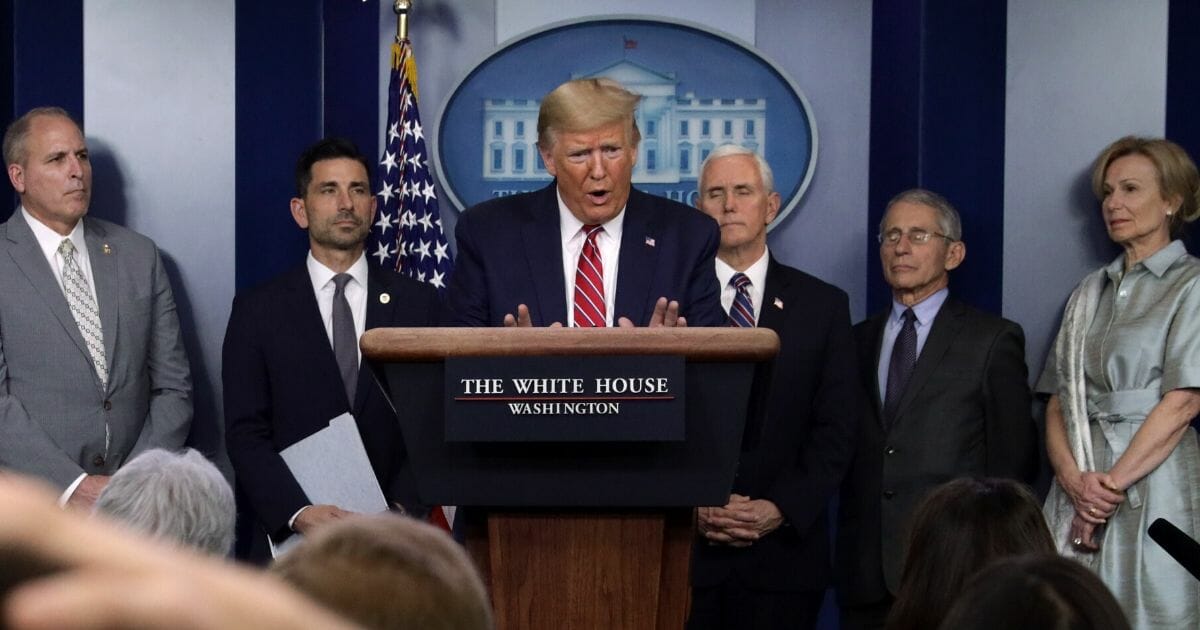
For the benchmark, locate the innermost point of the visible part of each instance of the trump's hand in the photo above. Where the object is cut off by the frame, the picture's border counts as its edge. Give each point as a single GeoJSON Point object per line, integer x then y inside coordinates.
{"type": "Point", "coordinates": [665, 314]}
{"type": "Point", "coordinates": [522, 320]}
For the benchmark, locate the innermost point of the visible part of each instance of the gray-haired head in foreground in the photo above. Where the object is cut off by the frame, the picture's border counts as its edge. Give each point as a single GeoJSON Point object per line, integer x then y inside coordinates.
{"type": "Point", "coordinates": [948, 221]}
{"type": "Point", "coordinates": [179, 497]}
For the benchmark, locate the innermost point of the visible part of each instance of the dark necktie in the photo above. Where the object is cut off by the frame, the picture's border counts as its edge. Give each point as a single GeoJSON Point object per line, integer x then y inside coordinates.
{"type": "Point", "coordinates": [900, 368]}
{"type": "Point", "coordinates": [345, 340]}
{"type": "Point", "coordinates": [741, 313]}
{"type": "Point", "coordinates": [589, 282]}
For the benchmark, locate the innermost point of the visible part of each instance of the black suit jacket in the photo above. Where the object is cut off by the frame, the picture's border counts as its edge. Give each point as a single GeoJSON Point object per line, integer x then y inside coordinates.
{"type": "Point", "coordinates": [510, 253]}
{"type": "Point", "coordinates": [966, 412]}
{"type": "Point", "coordinates": [798, 456]}
{"type": "Point", "coordinates": [282, 384]}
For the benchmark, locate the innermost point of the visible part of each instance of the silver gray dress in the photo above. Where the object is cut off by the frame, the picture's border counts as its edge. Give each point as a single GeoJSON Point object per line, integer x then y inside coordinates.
{"type": "Point", "coordinates": [1143, 342]}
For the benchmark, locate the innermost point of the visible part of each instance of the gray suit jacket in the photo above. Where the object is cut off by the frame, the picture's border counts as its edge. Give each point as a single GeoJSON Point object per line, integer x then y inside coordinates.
{"type": "Point", "coordinates": [55, 421]}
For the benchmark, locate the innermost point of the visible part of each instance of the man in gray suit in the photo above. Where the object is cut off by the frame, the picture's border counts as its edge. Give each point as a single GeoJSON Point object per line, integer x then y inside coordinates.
{"type": "Point", "coordinates": [92, 366]}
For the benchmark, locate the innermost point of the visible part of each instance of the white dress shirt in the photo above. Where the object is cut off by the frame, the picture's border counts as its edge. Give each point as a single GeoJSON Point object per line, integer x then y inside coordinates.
{"type": "Point", "coordinates": [757, 273]}
{"type": "Point", "coordinates": [609, 244]}
{"type": "Point", "coordinates": [49, 240]}
{"type": "Point", "coordinates": [356, 294]}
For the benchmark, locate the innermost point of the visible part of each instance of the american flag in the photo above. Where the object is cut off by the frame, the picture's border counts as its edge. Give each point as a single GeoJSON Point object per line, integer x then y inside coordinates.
{"type": "Point", "coordinates": [407, 235]}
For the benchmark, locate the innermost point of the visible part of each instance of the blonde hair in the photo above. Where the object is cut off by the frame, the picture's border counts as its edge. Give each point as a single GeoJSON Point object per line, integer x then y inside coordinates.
{"type": "Point", "coordinates": [389, 571]}
{"type": "Point", "coordinates": [1177, 175]}
{"type": "Point", "coordinates": [583, 105]}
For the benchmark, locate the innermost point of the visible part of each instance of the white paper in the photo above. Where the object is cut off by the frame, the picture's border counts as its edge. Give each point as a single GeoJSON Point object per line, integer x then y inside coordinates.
{"type": "Point", "coordinates": [332, 468]}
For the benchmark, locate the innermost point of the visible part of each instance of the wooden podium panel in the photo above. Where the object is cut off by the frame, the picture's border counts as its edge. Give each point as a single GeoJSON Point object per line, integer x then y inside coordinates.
{"type": "Point", "coordinates": [585, 569]}
{"type": "Point", "coordinates": [579, 534]}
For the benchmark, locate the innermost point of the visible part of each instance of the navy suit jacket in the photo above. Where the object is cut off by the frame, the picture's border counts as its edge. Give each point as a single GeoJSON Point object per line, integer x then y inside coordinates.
{"type": "Point", "coordinates": [282, 384]}
{"type": "Point", "coordinates": [510, 253]}
{"type": "Point", "coordinates": [965, 412]}
{"type": "Point", "coordinates": [798, 456]}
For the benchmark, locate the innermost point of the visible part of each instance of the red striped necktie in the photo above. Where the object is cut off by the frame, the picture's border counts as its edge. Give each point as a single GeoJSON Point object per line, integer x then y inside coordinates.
{"type": "Point", "coordinates": [589, 282]}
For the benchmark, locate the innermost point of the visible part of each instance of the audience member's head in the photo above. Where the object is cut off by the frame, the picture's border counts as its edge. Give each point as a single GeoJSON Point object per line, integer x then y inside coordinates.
{"type": "Point", "coordinates": [178, 497]}
{"type": "Point", "coordinates": [958, 529]}
{"type": "Point", "coordinates": [388, 571]}
{"type": "Point", "coordinates": [1035, 592]}
{"type": "Point", "coordinates": [58, 570]}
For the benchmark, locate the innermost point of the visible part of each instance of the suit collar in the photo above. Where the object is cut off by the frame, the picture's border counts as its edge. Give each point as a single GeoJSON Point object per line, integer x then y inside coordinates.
{"type": "Point", "coordinates": [874, 332]}
{"type": "Point", "coordinates": [28, 256]}
{"type": "Point", "coordinates": [543, 254]}
{"type": "Point", "coordinates": [640, 243]}
{"type": "Point", "coordinates": [777, 294]}
{"type": "Point", "coordinates": [300, 306]}
{"type": "Point", "coordinates": [946, 326]}
{"type": "Point", "coordinates": [105, 260]}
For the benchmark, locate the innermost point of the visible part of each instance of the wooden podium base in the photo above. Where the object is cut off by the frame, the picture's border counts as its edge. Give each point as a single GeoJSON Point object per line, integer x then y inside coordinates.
{"type": "Point", "coordinates": [586, 568]}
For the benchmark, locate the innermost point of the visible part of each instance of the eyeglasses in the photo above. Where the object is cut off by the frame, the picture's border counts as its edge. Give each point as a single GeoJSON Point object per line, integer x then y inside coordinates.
{"type": "Point", "coordinates": [916, 236]}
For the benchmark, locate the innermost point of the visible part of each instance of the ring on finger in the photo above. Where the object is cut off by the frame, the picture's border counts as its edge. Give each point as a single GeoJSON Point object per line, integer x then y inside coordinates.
{"type": "Point", "coordinates": [1077, 542]}
{"type": "Point", "coordinates": [1092, 511]}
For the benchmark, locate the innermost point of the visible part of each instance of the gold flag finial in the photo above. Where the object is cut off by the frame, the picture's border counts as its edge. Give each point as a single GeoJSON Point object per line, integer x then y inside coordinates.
{"type": "Point", "coordinates": [401, 7]}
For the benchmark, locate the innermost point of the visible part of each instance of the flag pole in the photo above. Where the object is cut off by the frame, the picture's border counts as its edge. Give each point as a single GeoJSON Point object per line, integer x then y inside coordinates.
{"type": "Point", "coordinates": [401, 7]}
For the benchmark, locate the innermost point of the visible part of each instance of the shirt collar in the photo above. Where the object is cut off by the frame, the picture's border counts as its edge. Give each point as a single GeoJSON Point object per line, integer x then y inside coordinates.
{"type": "Point", "coordinates": [49, 240]}
{"type": "Point", "coordinates": [925, 310]}
{"type": "Point", "coordinates": [321, 275]}
{"type": "Point", "coordinates": [570, 225]}
{"type": "Point", "coordinates": [757, 273]}
{"type": "Point", "coordinates": [1157, 263]}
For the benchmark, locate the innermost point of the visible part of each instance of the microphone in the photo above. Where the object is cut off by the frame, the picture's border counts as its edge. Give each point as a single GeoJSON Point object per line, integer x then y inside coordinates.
{"type": "Point", "coordinates": [1183, 548]}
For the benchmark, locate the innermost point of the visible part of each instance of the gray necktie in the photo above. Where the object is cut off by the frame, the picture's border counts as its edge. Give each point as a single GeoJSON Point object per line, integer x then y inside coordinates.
{"type": "Point", "coordinates": [83, 309]}
{"type": "Point", "coordinates": [345, 340]}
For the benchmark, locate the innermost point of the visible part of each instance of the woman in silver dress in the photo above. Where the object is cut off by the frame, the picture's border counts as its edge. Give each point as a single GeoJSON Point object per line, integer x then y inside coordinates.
{"type": "Point", "coordinates": [1123, 375]}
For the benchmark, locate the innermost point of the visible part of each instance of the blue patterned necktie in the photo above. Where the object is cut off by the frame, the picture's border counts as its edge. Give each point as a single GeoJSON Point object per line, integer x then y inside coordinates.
{"type": "Point", "coordinates": [741, 314]}
{"type": "Point", "coordinates": [900, 367]}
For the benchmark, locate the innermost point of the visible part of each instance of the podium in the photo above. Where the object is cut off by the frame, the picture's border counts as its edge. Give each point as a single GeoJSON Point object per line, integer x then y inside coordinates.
{"type": "Point", "coordinates": [576, 521]}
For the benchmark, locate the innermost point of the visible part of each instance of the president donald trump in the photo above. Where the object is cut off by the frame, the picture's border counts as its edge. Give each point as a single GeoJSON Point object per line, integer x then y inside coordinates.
{"type": "Point", "coordinates": [588, 250]}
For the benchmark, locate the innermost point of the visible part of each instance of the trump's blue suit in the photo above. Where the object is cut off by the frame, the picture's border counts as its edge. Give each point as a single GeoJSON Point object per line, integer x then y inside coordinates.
{"type": "Point", "coordinates": [282, 384]}
{"type": "Point", "coordinates": [510, 253]}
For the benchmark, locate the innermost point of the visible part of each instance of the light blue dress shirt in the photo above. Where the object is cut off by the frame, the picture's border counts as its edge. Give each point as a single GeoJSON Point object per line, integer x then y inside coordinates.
{"type": "Point", "coordinates": [925, 311]}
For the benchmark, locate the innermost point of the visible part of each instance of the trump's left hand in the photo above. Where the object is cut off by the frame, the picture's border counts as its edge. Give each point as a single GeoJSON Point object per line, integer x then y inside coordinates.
{"type": "Point", "coordinates": [666, 314]}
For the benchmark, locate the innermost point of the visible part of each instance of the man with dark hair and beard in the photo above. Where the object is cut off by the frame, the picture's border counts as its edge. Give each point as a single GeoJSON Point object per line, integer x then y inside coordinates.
{"type": "Point", "coordinates": [291, 361]}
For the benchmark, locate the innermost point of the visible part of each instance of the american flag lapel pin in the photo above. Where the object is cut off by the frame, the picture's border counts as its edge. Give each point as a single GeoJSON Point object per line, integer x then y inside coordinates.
{"type": "Point", "coordinates": [649, 241]}
{"type": "Point", "coordinates": [779, 304]}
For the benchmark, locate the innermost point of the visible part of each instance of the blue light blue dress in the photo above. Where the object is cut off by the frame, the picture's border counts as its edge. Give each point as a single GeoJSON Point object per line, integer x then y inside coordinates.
{"type": "Point", "coordinates": [1144, 341]}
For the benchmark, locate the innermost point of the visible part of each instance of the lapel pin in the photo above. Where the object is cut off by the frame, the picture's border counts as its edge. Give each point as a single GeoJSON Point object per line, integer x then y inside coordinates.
{"type": "Point", "coordinates": [649, 242]}
{"type": "Point", "coordinates": [779, 304]}
{"type": "Point", "coordinates": [106, 249]}
{"type": "Point", "coordinates": [384, 298]}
